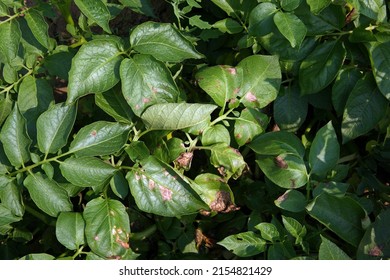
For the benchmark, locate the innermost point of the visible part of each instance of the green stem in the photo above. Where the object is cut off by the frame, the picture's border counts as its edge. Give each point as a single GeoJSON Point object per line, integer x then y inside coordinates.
{"type": "Point", "coordinates": [14, 16]}
{"type": "Point", "coordinates": [223, 117]}
{"type": "Point", "coordinates": [78, 252]}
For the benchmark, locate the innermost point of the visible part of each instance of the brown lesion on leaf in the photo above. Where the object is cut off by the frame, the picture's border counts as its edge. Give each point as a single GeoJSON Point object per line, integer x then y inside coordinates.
{"type": "Point", "coordinates": [280, 162]}
{"type": "Point", "coordinates": [232, 70]}
{"type": "Point", "coordinates": [203, 240]}
{"type": "Point", "coordinates": [376, 251]}
{"type": "Point", "coordinates": [282, 198]}
{"type": "Point", "coordinates": [166, 193]}
{"type": "Point", "coordinates": [250, 97]}
{"type": "Point", "coordinates": [293, 183]}
{"type": "Point", "coordinates": [184, 160]}
{"type": "Point", "coordinates": [93, 133]}
{"type": "Point", "coordinates": [223, 203]}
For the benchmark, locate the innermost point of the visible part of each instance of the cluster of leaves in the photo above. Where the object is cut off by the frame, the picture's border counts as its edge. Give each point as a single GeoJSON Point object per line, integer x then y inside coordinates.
{"type": "Point", "coordinates": [240, 129]}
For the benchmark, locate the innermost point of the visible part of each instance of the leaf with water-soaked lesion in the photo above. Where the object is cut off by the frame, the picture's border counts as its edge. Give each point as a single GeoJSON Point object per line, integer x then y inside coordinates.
{"type": "Point", "coordinates": [251, 123]}
{"type": "Point", "coordinates": [107, 227]}
{"type": "Point", "coordinates": [147, 81]}
{"type": "Point", "coordinates": [157, 188]}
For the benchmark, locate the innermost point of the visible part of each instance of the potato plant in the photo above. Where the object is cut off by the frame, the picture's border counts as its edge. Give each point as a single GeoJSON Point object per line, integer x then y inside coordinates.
{"type": "Point", "coordinates": [222, 129]}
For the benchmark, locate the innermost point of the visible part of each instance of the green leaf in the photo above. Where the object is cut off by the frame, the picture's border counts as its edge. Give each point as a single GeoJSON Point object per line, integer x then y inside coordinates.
{"type": "Point", "coordinates": [50, 197]}
{"type": "Point", "coordinates": [16, 142]}
{"type": "Point", "coordinates": [290, 120]}
{"type": "Point", "coordinates": [291, 200]}
{"type": "Point", "coordinates": [54, 127]}
{"type": "Point", "coordinates": [100, 138]}
{"type": "Point", "coordinates": [145, 82]}
{"type": "Point", "coordinates": [229, 6]}
{"type": "Point", "coordinates": [107, 227]}
{"type": "Point", "coordinates": [375, 243]}
{"type": "Point", "coordinates": [261, 19]}
{"type": "Point", "coordinates": [114, 104]}
{"type": "Point", "coordinates": [215, 134]}
{"type": "Point", "coordinates": [290, 5]}
{"type": "Point", "coordinates": [176, 116]}
{"type": "Point", "coordinates": [215, 192]}
{"type": "Point", "coordinates": [221, 82]}
{"type": "Point", "coordinates": [320, 68]}
{"type": "Point", "coordinates": [10, 35]}
{"type": "Point", "coordinates": [6, 216]}
{"type": "Point", "coordinates": [228, 25]}
{"type": "Point", "coordinates": [343, 216]}
{"type": "Point", "coordinates": [268, 231]}
{"type": "Point", "coordinates": [251, 123]}
{"type": "Point", "coordinates": [294, 228]}
{"type": "Point", "coordinates": [365, 107]}
{"type": "Point", "coordinates": [291, 27]}
{"type": "Point", "coordinates": [157, 188]}
{"type": "Point", "coordinates": [316, 6]}
{"type": "Point", "coordinates": [95, 68]}
{"type": "Point", "coordinates": [40, 256]}
{"type": "Point", "coordinates": [261, 80]}
{"type": "Point", "coordinates": [162, 41]}
{"type": "Point", "coordinates": [140, 6]}
{"type": "Point", "coordinates": [380, 61]}
{"type": "Point", "coordinates": [336, 189]}
{"type": "Point", "coordinates": [244, 244]}
{"type": "Point", "coordinates": [39, 27]}
{"type": "Point", "coordinates": [276, 143]}
{"type": "Point", "coordinates": [5, 108]}
{"type": "Point", "coordinates": [119, 185]}
{"type": "Point", "coordinates": [330, 251]}
{"type": "Point", "coordinates": [342, 87]}
{"type": "Point", "coordinates": [324, 151]}
{"type": "Point", "coordinates": [228, 161]}
{"type": "Point", "coordinates": [96, 11]}
{"type": "Point", "coordinates": [11, 197]}
{"type": "Point", "coordinates": [70, 230]}
{"type": "Point", "coordinates": [87, 172]}
{"type": "Point", "coordinates": [374, 9]}
{"type": "Point", "coordinates": [137, 150]}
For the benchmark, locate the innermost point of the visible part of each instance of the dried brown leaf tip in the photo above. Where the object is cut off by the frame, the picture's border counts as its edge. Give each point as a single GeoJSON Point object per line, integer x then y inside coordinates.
{"type": "Point", "coordinates": [202, 240]}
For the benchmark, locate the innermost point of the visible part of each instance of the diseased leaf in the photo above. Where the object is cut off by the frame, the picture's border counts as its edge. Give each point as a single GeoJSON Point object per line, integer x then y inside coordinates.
{"type": "Point", "coordinates": [95, 68]}
{"type": "Point", "coordinates": [380, 61]}
{"type": "Point", "coordinates": [261, 80]}
{"type": "Point", "coordinates": [107, 227]}
{"type": "Point", "coordinates": [251, 123]}
{"type": "Point", "coordinates": [228, 161]}
{"type": "Point", "coordinates": [87, 172]}
{"type": "Point", "coordinates": [50, 197]}
{"type": "Point", "coordinates": [324, 151]}
{"type": "Point", "coordinates": [96, 11]}
{"type": "Point", "coordinates": [100, 138]}
{"type": "Point", "coordinates": [162, 41]}
{"type": "Point", "coordinates": [285, 170]}
{"type": "Point", "coordinates": [175, 116]}
{"type": "Point", "coordinates": [221, 82]}
{"type": "Point", "coordinates": [157, 188]}
{"type": "Point", "coordinates": [291, 27]}
{"type": "Point", "coordinates": [365, 107]}
{"type": "Point", "coordinates": [54, 127]}
{"type": "Point", "coordinates": [330, 251]}
{"type": "Point", "coordinates": [320, 68]}
{"type": "Point", "coordinates": [343, 216]}
{"type": "Point", "coordinates": [291, 200]}
{"type": "Point", "coordinates": [145, 82]}
{"type": "Point", "coordinates": [244, 244]}
{"type": "Point", "coordinates": [70, 230]}
{"type": "Point", "coordinates": [16, 142]}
